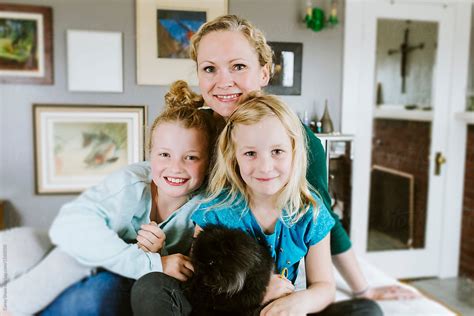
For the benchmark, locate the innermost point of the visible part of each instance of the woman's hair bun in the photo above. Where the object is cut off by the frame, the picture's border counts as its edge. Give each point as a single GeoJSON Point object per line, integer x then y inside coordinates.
{"type": "Point", "coordinates": [180, 95]}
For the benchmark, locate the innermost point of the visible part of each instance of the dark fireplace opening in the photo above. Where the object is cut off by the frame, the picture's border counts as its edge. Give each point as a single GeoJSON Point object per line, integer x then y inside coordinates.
{"type": "Point", "coordinates": [391, 210]}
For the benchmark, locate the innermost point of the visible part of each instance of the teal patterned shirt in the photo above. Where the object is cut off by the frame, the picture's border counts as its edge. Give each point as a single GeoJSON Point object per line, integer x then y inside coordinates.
{"type": "Point", "coordinates": [288, 243]}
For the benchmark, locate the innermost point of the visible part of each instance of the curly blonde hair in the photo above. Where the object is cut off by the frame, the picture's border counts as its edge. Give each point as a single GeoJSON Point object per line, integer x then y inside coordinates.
{"type": "Point", "coordinates": [236, 24]}
{"type": "Point", "coordinates": [295, 197]}
{"type": "Point", "coordinates": [183, 106]}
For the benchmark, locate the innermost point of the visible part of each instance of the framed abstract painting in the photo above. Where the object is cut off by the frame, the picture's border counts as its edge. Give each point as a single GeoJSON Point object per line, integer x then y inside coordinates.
{"type": "Point", "coordinates": [164, 28]}
{"type": "Point", "coordinates": [26, 47]}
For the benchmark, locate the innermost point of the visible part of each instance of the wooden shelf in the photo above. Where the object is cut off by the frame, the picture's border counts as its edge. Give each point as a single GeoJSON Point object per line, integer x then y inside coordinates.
{"type": "Point", "coordinates": [467, 116]}
{"type": "Point", "coordinates": [397, 113]}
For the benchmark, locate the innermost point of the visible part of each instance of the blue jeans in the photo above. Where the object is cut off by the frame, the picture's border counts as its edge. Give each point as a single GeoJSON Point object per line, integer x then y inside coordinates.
{"type": "Point", "coordinates": [104, 293]}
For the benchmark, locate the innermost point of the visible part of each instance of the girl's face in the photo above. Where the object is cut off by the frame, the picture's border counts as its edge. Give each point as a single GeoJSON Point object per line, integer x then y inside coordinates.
{"type": "Point", "coordinates": [179, 159]}
{"type": "Point", "coordinates": [228, 68]}
{"type": "Point", "coordinates": [264, 155]}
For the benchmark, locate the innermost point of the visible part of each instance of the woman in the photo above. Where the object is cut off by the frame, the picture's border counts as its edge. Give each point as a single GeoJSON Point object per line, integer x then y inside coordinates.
{"type": "Point", "coordinates": [232, 59]}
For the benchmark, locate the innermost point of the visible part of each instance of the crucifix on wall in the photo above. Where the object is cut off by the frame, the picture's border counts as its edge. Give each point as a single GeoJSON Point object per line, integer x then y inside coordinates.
{"type": "Point", "coordinates": [404, 50]}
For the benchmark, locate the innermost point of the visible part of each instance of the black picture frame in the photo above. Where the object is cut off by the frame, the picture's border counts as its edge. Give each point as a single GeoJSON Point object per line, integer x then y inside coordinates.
{"type": "Point", "coordinates": [281, 83]}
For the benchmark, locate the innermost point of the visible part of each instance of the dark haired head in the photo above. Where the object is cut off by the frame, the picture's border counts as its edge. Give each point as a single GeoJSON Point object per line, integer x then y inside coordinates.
{"type": "Point", "coordinates": [231, 273]}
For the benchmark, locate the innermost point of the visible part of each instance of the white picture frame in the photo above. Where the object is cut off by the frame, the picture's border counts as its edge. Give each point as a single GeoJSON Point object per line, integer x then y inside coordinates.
{"type": "Point", "coordinates": [155, 70]}
{"type": "Point", "coordinates": [94, 61]}
{"type": "Point", "coordinates": [76, 146]}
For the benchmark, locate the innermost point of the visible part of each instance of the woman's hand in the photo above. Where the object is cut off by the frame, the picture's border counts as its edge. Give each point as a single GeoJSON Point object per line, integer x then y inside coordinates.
{"type": "Point", "coordinates": [390, 292]}
{"type": "Point", "coordinates": [289, 305]}
{"type": "Point", "coordinates": [277, 287]}
{"type": "Point", "coordinates": [151, 238]}
{"type": "Point", "coordinates": [177, 266]}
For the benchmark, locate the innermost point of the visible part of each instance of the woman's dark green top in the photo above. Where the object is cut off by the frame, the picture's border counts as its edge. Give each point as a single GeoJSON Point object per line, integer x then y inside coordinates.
{"type": "Point", "coordinates": [317, 177]}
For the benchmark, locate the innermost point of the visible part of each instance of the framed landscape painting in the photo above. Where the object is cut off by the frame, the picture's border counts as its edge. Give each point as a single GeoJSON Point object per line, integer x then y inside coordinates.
{"type": "Point", "coordinates": [26, 49]}
{"type": "Point", "coordinates": [76, 146]}
{"type": "Point", "coordinates": [164, 30]}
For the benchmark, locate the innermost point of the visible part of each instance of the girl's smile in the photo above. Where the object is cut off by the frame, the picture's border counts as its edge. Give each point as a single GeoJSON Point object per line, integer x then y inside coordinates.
{"type": "Point", "coordinates": [175, 181]}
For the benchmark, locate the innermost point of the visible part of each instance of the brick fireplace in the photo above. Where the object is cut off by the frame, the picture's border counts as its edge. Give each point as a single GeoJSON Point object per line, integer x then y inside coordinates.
{"type": "Point", "coordinates": [466, 260]}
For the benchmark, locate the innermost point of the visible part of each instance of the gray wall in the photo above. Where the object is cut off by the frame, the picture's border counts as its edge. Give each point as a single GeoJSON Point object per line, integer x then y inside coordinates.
{"type": "Point", "coordinates": [322, 71]}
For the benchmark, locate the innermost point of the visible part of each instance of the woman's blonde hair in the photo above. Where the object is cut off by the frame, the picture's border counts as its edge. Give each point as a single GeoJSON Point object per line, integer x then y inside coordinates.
{"type": "Point", "coordinates": [295, 197]}
{"type": "Point", "coordinates": [236, 24]}
{"type": "Point", "coordinates": [182, 106]}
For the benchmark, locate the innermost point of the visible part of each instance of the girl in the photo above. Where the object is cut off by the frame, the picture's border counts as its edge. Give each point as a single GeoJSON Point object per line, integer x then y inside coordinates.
{"type": "Point", "coordinates": [259, 185]}
{"type": "Point", "coordinates": [112, 225]}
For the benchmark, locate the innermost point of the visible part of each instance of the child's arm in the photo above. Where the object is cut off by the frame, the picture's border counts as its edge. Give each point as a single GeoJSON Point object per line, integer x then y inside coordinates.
{"type": "Point", "coordinates": [321, 285]}
{"type": "Point", "coordinates": [95, 227]}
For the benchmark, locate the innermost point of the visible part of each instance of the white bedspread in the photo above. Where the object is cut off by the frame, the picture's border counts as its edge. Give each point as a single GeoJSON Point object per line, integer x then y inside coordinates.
{"type": "Point", "coordinates": [422, 306]}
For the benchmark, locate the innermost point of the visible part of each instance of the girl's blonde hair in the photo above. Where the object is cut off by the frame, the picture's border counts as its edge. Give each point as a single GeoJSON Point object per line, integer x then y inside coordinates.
{"type": "Point", "coordinates": [236, 24]}
{"type": "Point", "coordinates": [182, 106]}
{"type": "Point", "coordinates": [295, 197]}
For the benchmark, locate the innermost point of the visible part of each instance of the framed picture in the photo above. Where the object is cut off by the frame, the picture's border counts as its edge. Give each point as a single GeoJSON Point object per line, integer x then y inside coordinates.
{"type": "Point", "coordinates": [164, 28]}
{"type": "Point", "coordinates": [76, 146]}
{"type": "Point", "coordinates": [286, 66]}
{"type": "Point", "coordinates": [94, 61]}
{"type": "Point", "coordinates": [26, 48]}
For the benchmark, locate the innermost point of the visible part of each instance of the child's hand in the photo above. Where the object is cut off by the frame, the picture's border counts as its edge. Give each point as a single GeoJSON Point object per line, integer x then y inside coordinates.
{"type": "Point", "coordinates": [151, 238]}
{"type": "Point", "coordinates": [177, 266]}
{"type": "Point", "coordinates": [289, 305]}
{"type": "Point", "coordinates": [279, 286]}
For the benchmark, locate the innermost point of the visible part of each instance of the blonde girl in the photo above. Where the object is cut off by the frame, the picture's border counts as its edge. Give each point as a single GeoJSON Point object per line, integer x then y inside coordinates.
{"type": "Point", "coordinates": [259, 185]}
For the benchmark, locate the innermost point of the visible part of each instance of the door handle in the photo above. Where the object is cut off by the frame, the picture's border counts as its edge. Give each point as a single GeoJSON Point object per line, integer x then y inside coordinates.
{"type": "Point", "coordinates": [439, 161]}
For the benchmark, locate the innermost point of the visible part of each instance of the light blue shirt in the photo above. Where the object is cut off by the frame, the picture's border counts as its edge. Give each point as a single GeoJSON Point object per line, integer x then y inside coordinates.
{"type": "Point", "coordinates": [288, 244]}
{"type": "Point", "coordinates": [100, 227]}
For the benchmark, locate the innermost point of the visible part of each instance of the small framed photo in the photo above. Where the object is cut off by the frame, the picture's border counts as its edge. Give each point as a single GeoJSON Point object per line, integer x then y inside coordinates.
{"type": "Point", "coordinates": [164, 29]}
{"type": "Point", "coordinates": [26, 47]}
{"type": "Point", "coordinates": [76, 146]}
{"type": "Point", "coordinates": [287, 65]}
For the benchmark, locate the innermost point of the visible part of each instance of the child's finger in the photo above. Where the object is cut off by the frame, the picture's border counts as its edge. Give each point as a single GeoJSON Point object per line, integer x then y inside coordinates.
{"type": "Point", "coordinates": [144, 243]}
{"type": "Point", "coordinates": [154, 229]}
{"type": "Point", "coordinates": [142, 247]}
{"type": "Point", "coordinates": [186, 271]}
{"type": "Point", "coordinates": [188, 265]}
{"type": "Point", "coordinates": [148, 236]}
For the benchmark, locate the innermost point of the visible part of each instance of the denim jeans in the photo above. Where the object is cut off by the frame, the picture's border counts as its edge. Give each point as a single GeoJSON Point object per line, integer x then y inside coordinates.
{"type": "Point", "coordinates": [104, 294]}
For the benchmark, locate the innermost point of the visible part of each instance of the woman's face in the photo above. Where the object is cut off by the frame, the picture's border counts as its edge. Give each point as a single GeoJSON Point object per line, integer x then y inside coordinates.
{"type": "Point", "coordinates": [228, 68]}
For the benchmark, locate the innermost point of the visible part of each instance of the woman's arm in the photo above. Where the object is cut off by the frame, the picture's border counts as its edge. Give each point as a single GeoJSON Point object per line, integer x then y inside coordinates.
{"type": "Point", "coordinates": [317, 177]}
{"type": "Point", "coordinates": [321, 285]}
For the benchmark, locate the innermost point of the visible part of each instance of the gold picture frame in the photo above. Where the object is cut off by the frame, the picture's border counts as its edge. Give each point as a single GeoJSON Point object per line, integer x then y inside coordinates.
{"type": "Point", "coordinates": [76, 146]}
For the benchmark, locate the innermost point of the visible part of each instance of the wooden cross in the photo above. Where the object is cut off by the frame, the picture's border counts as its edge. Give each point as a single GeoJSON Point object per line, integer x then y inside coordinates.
{"type": "Point", "coordinates": [405, 49]}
